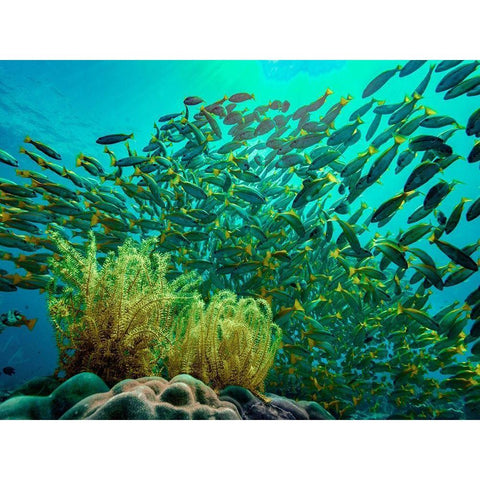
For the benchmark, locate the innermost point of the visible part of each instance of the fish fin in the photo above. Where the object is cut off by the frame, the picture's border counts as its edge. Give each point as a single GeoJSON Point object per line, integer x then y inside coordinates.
{"type": "Point", "coordinates": [27, 139]}
{"type": "Point", "coordinates": [31, 323]}
{"type": "Point", "coordinates": [297, 306]}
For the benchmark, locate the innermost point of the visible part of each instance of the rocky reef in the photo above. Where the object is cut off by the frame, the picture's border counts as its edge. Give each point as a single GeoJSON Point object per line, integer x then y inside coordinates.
{"type": "Point", "coordinates": [86, 396]}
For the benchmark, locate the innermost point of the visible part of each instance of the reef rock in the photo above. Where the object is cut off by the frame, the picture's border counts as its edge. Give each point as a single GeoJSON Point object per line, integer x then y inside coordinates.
{"type": "Point", "coordinates": [275, 408]}
{"type": "Point", "coordinates": [154, 398]}
{"type": "Point", "coordinates": [40, 386]}
{"type": "Point", "coordinates": [53, 406]}
{"type": "Point", "coordinates": [86, 396]}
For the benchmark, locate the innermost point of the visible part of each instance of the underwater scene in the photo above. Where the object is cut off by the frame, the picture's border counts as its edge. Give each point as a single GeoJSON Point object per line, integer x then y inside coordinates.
{"type": "Point", "coordinates": [240, 239]}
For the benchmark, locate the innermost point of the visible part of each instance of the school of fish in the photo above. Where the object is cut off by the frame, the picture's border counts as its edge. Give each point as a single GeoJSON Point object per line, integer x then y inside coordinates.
{"type": "Point", "coordinates": [267, 202]}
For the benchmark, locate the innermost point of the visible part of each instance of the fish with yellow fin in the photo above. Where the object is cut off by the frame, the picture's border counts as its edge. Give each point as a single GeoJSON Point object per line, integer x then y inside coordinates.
{"type": "Point", "coordinates": [13, 318]}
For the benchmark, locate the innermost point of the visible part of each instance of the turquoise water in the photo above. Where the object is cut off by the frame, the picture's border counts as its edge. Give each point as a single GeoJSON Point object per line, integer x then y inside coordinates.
{"type": "Point", "coordinates": [68, 105]}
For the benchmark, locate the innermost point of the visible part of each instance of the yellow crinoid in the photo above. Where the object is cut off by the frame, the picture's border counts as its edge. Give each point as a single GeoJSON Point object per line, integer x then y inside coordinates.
{"type": "Point", "coordinates": [115, 319]}
{"type": "Point", "coordinates": [229, 342]}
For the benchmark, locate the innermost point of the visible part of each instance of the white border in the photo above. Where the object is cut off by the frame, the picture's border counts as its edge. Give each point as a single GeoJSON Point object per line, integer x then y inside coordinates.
{"type": "Point", "coordinates": [250, 29]}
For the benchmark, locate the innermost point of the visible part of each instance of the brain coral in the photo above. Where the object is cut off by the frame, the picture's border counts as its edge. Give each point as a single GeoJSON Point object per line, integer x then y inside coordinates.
{"type": "Point", "coordinates": [151, 398]}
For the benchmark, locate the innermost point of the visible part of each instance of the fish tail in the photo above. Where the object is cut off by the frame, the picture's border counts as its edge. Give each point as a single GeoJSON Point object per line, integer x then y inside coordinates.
{"type": "Point", "coordinates": [31, 323]}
